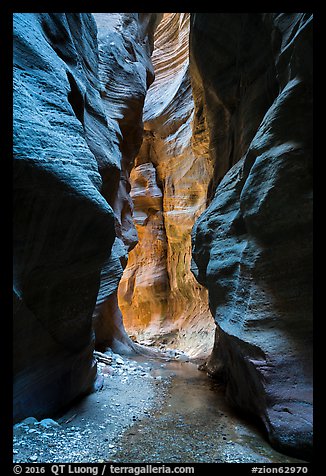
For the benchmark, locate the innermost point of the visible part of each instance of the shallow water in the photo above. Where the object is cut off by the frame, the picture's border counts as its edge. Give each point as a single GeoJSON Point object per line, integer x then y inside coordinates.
{"type": "Point", "coordinates": [195, 424]}
{"type": "Point", "coordinates": [148, 410]}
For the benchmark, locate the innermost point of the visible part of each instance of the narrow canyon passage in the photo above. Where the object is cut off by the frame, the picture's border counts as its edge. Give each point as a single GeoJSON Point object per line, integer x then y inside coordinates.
{"type": "Point", "coordinates": [159, 297]}
{"type": "Point", "coordinates": [162, 237]}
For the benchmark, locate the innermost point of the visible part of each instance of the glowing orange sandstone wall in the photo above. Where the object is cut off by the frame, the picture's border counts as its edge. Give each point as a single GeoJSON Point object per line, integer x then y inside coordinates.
{"type": "Point", "coordinates": [158, 295]}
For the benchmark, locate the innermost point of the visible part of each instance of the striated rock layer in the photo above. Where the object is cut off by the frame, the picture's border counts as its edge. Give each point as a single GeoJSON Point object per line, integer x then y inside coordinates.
{"type": "Point", "coordinates": [125, 43]}
{"type": "Point", "coordinates": [68, 227]}
{"type": "Point", "coordinates": [158, 295]}
{"type": "Point", "coordinates": [252, 247]}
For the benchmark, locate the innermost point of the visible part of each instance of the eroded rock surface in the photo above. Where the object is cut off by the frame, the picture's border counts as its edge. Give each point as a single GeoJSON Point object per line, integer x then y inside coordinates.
{"type": "Point", "coordinates": [252, 246]}
{"type": "Point", "coordinates": [158, 295]}
{"type": "Point", "coordinates": [63, 227]}
{"type": "Point", "coordinates": [71, 225]}
{"type": "Point", "coordinates": [125, 70]}
{"type": "Point", "coordinates": [241, 143]}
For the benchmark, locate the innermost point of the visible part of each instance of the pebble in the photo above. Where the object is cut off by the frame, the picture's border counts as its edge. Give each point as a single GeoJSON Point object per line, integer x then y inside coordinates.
{"type": "Point", "coordinates": [29, 421]}
{"type": "Point", "coordinates": [68, 444]}
{"type": "Point", "coordinates": [182, 358]}
{"type": "Point", "coordinates": [19, 425]}
{"type": "Point", "coordinates": [24, 424]}
{"type": "Point", "coordinates": [47, 422]}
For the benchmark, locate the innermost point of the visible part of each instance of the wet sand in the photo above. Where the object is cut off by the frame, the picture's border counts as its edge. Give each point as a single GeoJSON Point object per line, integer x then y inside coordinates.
{"type": "Point", "coordinates": [148, 411]}
{"type": "Point", "coordinates": [195, 425]}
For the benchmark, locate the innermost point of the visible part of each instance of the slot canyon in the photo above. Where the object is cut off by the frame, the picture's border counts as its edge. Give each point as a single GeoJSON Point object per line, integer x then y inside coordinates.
{"type": "Point", "coordinates": [162, 275]}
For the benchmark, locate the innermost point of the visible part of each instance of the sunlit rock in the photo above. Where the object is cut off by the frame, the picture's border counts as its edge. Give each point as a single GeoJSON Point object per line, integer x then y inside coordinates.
{"type": "Point", "coordinates": [158, 295]}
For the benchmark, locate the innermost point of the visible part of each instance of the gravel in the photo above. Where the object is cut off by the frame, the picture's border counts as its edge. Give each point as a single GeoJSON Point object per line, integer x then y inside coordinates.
{"type": "Point", "coordinates": [89, 431]}
{"type": "Point", "coordinates": [146, 412]}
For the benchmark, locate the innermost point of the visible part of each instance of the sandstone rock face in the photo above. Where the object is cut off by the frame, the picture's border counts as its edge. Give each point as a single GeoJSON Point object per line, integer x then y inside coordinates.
{"type": "Point", "coordinates": [125, 45]}
{"type": "Point", "coordinates": [252, 246]}
{"type": "Point", "coordinates": [158, 295]}
{"type": "Point", "coordinates": [69, 175]}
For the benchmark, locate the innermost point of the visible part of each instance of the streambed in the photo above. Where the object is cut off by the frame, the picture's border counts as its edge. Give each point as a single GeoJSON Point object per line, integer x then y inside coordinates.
{"type": "Point", "coordinates": [147, 411]}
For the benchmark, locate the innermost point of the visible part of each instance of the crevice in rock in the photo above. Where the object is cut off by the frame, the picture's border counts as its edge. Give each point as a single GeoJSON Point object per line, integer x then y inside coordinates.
{"type": "Point", "coordinates": [76, 99]}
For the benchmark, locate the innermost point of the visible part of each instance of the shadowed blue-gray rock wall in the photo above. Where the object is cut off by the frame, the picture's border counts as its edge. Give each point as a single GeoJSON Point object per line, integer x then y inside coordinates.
{"type": "Point", "coordinates": [252, 247]}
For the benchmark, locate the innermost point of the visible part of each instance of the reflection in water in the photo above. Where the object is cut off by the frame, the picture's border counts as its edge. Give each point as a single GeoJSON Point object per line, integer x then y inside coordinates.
{"type": "Point", "coordinates": [195, 424]}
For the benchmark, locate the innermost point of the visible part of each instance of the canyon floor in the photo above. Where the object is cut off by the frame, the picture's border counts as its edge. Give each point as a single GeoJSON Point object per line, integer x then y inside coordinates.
{"type": "Point", "coordinates": [146, 411]}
